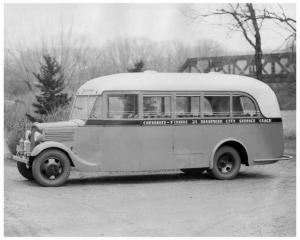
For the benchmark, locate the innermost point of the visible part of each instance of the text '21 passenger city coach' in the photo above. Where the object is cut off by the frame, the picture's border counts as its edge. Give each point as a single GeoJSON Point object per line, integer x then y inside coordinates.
{"type": "Point", "coordinates": [158, 121]}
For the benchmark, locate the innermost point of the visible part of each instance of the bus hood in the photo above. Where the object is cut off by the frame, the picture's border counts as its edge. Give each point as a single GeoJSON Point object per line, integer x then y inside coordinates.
{"type": "Point", "coordinates": [70, 123]}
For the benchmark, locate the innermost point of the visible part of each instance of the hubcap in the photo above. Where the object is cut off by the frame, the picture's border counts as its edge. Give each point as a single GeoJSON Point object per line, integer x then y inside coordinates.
{"type": "Point", "coordinates": [51, 168]}
{"type": "Point", "coordinates": [225, 163]}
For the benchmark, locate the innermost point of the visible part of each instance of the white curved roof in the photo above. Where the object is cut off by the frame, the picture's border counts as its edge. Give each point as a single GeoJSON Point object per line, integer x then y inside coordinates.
{"type": "Point", "coordinates": [153, 81]}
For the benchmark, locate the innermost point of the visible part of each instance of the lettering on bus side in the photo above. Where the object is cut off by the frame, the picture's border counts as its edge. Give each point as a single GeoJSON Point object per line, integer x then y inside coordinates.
{"type": "Point", "coordinates": [183, 122]}
{"type": "Point", "coordinates": [265, 120]}
{"type": "Point", "coordinates": [246, 120]}
{"type": "Point", "coordinates": [208, 121]}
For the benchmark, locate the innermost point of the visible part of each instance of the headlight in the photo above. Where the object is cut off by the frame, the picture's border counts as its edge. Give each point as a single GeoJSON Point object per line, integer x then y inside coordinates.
{"type": "Point", "coordinates": [38, 137]}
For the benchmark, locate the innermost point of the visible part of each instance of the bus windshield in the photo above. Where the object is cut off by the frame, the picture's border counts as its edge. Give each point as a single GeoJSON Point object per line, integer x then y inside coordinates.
{"type": "Point", "coordinates": [82, 107]}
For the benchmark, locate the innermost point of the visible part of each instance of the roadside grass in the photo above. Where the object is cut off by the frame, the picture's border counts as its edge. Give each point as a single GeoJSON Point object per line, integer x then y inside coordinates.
{"type": "Point", "coordinates": [290, 146]}
{"type": "Point", "coordinates": [289, 131]}
{"type": "Point", "coordinates": [289, 124]}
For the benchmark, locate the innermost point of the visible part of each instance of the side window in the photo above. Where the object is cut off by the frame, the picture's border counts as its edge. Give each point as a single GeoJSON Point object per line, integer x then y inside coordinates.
{"type": "Point", "coordinates": [122, 106]}
{"type": "Point", "coordinates": [157, 106]}
{"type": "Point", "coordinates": [243, 106]}
{"type": "Point", "coordinates": [97, 110]}
{"type": "Point", "coordinates": [188, 106]}
{"type": "Point", "coordinates": [216, 106]}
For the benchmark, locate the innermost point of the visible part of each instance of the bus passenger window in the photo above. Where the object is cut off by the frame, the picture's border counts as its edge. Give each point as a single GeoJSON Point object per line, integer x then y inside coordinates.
{"type": "Point", "coordinates": [157, 106]}
{"type": "Point", "coordinates": [243, 106]}
{"type": "Point", "coordinates": [187, 106]}
{"type": "Point", "coordinates": [216, 106]}
{"type": "Point", "coordinates": [122, 106]}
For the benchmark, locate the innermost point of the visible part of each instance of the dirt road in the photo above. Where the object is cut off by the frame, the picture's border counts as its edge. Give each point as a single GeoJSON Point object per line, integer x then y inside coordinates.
{"type": "Point", "coordinates": [260, 202]}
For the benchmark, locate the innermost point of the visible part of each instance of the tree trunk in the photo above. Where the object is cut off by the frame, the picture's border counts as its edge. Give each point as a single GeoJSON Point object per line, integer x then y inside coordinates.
{"type": "Point", "coordinates": [258, 51]}
{"type": "Point", "coordinates": [258, 61]}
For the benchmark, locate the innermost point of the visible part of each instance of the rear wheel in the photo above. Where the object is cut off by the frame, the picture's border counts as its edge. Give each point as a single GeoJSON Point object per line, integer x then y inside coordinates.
{"type": "Point", "coordinates": [25, 171]}
{"type": "Point", "coordinates": [51, 168]}
{"type": "Point", "coordinates": [227, 163]}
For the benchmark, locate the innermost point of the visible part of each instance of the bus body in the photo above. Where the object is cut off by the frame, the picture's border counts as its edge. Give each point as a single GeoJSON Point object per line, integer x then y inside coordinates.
{"type": "Point", "coordinates": [160, 121]}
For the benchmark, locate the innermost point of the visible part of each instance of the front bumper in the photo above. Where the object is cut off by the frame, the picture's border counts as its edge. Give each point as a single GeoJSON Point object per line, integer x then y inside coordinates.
{"type": "Point", "coordinates": [22, 159]}
{"type": "Point", "coordinates": [271, 160]}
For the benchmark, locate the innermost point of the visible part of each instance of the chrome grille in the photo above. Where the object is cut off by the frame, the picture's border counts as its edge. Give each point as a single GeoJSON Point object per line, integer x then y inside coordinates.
{"type": "Point", "coordinates": [63, 135]}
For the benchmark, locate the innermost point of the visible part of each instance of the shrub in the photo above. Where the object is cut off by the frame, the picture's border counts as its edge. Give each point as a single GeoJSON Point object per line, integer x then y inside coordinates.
{"type": "Point", "coordinates": [60, 114]}
{"type": "Point", "coordinates": [16, 123]}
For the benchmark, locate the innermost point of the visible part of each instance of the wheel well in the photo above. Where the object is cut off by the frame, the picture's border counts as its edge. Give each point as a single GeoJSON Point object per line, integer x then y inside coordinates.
{"type": "Point", "coordinates": [54, 148]}
{"type": "Point", "coordinates": [241, 150]}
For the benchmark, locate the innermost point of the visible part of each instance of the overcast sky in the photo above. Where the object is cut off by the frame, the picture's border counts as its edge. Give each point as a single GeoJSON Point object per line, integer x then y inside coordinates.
{"type": "Point", "coordinates": [26, 23]}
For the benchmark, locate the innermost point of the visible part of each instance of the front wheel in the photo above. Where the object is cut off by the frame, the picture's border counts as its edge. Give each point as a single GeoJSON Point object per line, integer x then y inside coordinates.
{"type": "Point", "coordinates": [25, 171]}
{"type": "Point", "coordinates": [51, 168]}
{"type": "Point", "coordinates": [227, 163]}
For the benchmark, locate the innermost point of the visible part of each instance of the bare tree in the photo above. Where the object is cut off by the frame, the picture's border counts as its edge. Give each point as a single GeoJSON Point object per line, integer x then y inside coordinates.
{"type": "Point", "coordinates": [245, 21]}
{"type": "Point", "coordinates": [249, 21]}
{"type": "Point", "coordinates": [282, 18]}
{"type": "Point", "coordinates": [287, 22]}
{"type": "Point", "coordinates": [23, 60]}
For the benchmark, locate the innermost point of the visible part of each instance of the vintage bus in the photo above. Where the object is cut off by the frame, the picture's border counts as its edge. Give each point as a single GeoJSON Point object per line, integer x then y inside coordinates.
{"type": "Point", "coordinates": [158, 121]}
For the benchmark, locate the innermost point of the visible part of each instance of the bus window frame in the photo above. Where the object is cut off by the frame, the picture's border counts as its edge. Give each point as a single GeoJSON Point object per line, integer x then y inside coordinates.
{"type": "Point", "coordinates": [242, 94]}
{"type": "Point", "coordinates": [158, 94]}
{"type": "Point", "coordinates": [216, 94]}
{"type": "Point", "coordinates": [231, 94]}
{"type": "Point", "coordinates": [106, 94]}
{"type": "Point", "coordinates": [173, 95]}
{"type": "Point", "coordinates": [182, 94]}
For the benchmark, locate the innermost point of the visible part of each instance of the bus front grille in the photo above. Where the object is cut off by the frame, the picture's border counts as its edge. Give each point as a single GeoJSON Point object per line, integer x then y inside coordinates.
{"type": "Point", "coordinates": [59, 135]}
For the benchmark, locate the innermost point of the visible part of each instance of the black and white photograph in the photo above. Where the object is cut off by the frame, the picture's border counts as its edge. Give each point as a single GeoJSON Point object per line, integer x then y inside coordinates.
{"type": "Point", "coordinates": [149, 119]}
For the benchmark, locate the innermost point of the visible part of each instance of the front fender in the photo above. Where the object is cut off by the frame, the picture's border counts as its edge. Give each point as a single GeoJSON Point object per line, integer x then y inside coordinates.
{"type": "Point", "coordinates": [79, 163]}
{"type": "Point", "coordinates": [49, 144]}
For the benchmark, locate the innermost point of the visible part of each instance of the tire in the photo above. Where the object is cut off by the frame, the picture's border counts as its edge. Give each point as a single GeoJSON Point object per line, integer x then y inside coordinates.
{"type": "Point", "coordinates": [227, 163]}
{"type": "Point", "coordinates": [51, 168]}
{"type": "Point", "coordinates": [192, 171]}
{"type": "Point", "coordinates": [25, 171]}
